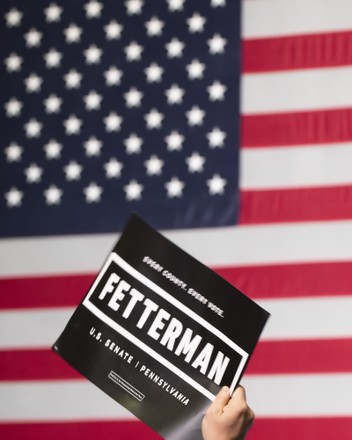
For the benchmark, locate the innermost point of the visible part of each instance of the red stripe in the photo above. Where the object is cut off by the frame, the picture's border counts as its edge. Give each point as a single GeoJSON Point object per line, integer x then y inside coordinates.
{"type": "Point", "coordinates": [48, 291]}
{"type": "Point", "coordinates": [270, 281]}
{"type": "Point", "coordinates": [304, 428]}
{"type": "Point", "coordinates": [296, 205]}
{"type": "Point", "coordinates": [263, 429]}
{"type": "Point", "coordinates": [297, 128]}
{"type": "Point", "coordinates": [295, 357]}
{"type": "Point", "coordinates": [290, 280]}
{"type": "Point", "coordinates": [39, 364]}
{"type": "Point", "coordinates": [270, 357]}
{"type": "Point", "coordinates": [297, 52]}
{"type": "Point", "coordinates": [119, 430]}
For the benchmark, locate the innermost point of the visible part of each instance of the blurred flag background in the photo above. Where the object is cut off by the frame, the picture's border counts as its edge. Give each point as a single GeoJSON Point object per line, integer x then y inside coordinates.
{"type": "Point", "coordinates": [227, 125]}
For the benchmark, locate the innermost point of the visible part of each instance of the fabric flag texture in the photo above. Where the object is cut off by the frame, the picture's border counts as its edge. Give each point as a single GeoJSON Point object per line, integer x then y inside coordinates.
{"type": "Point", "coordinates": [285, 238]}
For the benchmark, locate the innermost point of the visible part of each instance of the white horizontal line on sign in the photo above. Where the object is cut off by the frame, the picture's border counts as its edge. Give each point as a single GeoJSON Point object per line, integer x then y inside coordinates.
{"type": "Point", "coordinates": [268, 18]}
{"type": "Point", "coordinates": [296, 166]}
{"type": "Point", "coordinates": [299, 90]}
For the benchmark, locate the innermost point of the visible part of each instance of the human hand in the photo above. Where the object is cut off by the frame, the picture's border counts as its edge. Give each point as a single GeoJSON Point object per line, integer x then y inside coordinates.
{"type": "Point", "coordinates": [228, 417]}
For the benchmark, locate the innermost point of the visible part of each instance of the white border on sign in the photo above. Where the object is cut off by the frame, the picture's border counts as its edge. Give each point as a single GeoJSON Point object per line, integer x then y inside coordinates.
{"type": "Point", "coordinates": [113, 257]}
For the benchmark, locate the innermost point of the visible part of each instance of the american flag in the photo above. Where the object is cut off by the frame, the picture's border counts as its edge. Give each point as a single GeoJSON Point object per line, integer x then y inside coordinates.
{"type": "Point", "coordinates": [291, 249]}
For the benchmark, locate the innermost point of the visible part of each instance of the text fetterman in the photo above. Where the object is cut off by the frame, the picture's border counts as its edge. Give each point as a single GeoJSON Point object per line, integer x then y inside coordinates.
{"type": "Point", "coordinates": [164, 328]}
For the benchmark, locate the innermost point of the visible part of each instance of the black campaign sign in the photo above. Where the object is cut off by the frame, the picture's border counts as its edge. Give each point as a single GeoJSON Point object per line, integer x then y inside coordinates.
{"type": "Point", "coordinates": [160, 332]}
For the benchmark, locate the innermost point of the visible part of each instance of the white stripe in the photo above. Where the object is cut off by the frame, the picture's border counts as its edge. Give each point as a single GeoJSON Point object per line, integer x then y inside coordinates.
{"type": "Point", "coordinates": [303, 318]}
{"type": "Point", "coordinates": [228, 246]}
{"type": "Point", "coordinates": [239, 246]}
{"type": "Point", "coordinates": [52, 255]}
{"type": "Point", "coordinates": [37, 328]}
{"type": "Point", "coordinates": [308, 318]}
{"type": "Point", "coordinates": [296, 90]}
{"type": "Point", "coordinates": [270, 396]}
{"type": "Point", "coordinates": [295, 167]}
{"type": "Point", "coordinates": [53, 401]}
{"type": "Point", "coordinates": [267, 18]}
{"type": "Point", "coordinates": [300, 395]}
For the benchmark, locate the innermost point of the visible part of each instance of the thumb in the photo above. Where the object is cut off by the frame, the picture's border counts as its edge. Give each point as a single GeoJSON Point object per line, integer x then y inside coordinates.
{"type": "Point", "coordinates": [238, 396]}
{"type": "Point", "coordinates": [220, 401]}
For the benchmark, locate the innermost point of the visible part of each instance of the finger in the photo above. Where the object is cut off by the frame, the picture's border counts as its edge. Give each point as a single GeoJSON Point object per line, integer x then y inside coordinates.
{"type": "Point", "coordinates": [220, 401]}
{"type": "Point", "coordinates": [240, 390]}
{"type": "Point", "coordinates": [250, 416]}
{"type": "Point", "coordinates": [238, 397]}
